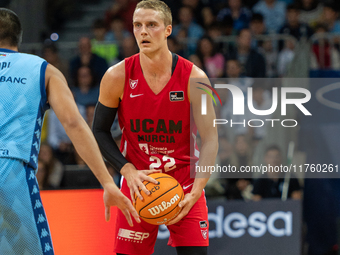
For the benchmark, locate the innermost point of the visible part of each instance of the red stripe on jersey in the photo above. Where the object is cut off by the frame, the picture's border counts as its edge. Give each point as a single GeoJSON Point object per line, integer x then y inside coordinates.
{"type": "Point", "coordinates": [158, 129]}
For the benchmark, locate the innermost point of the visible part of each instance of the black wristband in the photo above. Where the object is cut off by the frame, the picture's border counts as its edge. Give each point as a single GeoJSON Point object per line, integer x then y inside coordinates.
{"type": "Point", "coordinates": [101, 128]}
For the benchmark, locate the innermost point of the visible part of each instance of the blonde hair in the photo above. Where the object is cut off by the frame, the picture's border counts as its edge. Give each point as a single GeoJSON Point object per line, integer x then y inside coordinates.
{"type": "Point", "coordinates": [157, 5]}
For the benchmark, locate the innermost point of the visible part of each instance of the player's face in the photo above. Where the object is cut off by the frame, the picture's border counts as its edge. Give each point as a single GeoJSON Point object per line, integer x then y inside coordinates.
{"type": "Point", "coordinates": [149, 30]}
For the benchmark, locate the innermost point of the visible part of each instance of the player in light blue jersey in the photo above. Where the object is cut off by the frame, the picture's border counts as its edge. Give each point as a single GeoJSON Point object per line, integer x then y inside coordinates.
{"type": "Point", "coordinates": [28, 86]}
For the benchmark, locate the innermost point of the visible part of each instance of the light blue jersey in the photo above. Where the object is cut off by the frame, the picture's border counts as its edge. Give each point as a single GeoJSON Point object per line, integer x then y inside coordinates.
{"type": "Point", "coordinates": [23, 102]}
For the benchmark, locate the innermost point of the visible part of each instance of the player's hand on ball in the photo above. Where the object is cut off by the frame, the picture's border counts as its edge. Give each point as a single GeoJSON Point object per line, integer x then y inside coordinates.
{"type": "Point", "coordinates": [135, 178]}
{"type": "Point", "coordinates": [114, 197]}
{"type": "Point", "coordinates": [186, 204]}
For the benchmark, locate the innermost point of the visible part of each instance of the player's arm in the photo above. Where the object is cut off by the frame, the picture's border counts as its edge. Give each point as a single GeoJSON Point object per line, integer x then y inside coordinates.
{"type": "Point", "coordinates": [61, 100]}
{"type": "Point", "coordinates": [209, 144]}
{"type": "Point", "coordinates": [111, 92]}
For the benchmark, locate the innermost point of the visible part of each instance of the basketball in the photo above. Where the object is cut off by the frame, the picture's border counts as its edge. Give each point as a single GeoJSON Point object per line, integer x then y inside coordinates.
{"type": "Point", "coordinates": [161, 205]}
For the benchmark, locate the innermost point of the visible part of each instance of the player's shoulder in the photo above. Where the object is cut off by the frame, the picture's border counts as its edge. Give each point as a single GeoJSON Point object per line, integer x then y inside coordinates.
{"type": "Point", "coordinates": [116, 71]}
{"type": "Point", "coordinates": [197, 72]}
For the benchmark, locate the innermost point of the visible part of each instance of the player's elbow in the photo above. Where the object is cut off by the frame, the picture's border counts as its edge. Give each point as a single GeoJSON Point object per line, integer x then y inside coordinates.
{"type": "Point", "coordinates": [73, 123]}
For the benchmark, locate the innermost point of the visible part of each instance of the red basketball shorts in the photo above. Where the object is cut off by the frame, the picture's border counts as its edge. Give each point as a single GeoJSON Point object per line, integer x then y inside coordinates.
{"type": "Point", "coordinates": [140, 239]}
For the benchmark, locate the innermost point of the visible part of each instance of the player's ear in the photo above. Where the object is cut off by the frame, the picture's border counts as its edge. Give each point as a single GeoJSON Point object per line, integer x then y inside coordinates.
{"type": "Point", "coordinates": [168, 30]}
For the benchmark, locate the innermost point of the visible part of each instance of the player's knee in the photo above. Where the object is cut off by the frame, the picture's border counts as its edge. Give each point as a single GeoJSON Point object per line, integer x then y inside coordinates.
{"type": "Point", "coordinates": [192, 250]}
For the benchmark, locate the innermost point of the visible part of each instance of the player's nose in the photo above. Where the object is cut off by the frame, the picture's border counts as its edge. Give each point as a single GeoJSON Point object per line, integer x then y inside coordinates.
{"type": "Point", "coordinates": [143, 30]}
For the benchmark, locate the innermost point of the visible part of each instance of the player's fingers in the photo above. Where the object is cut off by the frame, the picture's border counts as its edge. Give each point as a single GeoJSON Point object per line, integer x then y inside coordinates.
{"type": "Point", "coordinates": [133, 212]}
{"type": "Point", "coordinates": [132, 194]}
{"type": "Point", "coordinates": [107, 213]}
{"type": "Point", "coordinates": [127, 216]}
{"type": "Point", "coordinates": [136, 190]}
{"type": "Point", "coordinates": [152, 180]}
{"type": "Point", "coordinates": [145, 190]}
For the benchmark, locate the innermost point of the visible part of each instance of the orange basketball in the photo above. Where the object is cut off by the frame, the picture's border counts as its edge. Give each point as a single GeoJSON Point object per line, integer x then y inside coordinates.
{"type": "Point", "coordinates": [161, 205]}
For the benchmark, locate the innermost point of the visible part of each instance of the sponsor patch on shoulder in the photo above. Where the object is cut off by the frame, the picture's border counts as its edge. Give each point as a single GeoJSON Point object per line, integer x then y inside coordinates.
{"type": "Point", "coordinates": [203, 224]}
{"type": "Point", "coordinates": [176, 96]}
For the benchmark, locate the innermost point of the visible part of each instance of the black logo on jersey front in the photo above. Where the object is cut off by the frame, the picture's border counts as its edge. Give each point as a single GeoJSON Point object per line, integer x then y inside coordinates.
{"type": "Point", "coordinates": [176, 96]}
{"type": "Point", "coordinates": [203, 224]}
{"type": "Point", "coordinates": [149, 126]}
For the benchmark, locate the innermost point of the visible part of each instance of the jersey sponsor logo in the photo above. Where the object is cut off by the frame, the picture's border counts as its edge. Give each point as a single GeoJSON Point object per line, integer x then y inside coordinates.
{"type": "Point", "coordinates": [176, 96]}
{"type": "Point", "coordinates": [13, 79]}
{"type": "Point", "coordinates": [149, 126]}
{"type": "Point", "coordinates": [203, 224]}
{"type": "Point", "coordinates": [2, 55]}
{"type": "Point", "coordinates": [185, 187]}
{"type": "Point", "coordinates": [133, 83]}
{"type": "Point", "coordinates": [163, 206]}
{"type": "Point", "coordinates": [144, 147]}
{"type": "Point", "coordinates": [132, 235]}
{"type": "Point", "coordinates": [133, 96]}
{"type": "Point", "coordinates": [204, 233]}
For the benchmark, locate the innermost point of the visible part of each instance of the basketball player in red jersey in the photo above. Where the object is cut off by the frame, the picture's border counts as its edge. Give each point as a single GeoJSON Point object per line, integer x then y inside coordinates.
{"type": "Point", "coordinates": [159, 116]}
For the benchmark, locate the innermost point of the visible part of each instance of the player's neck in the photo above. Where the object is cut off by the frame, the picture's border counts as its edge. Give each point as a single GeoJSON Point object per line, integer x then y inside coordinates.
{"type": "Point", "coordinates": [14, 48]}
{"type": "Point", "coordinates": [156, 64]}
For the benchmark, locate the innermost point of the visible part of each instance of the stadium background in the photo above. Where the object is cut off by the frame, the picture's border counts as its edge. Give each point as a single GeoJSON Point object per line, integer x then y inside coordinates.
{"type": "Point", "coordinates": [61, 32]}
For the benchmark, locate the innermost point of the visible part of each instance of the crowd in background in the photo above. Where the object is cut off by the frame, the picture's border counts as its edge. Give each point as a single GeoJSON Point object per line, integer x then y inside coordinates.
{"type": "Point", "coordinates": [197, 28]}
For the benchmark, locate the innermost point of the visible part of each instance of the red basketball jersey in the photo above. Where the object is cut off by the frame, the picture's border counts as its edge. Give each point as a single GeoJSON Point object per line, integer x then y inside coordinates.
{"type": "Point", "coordinates": [158, 129]}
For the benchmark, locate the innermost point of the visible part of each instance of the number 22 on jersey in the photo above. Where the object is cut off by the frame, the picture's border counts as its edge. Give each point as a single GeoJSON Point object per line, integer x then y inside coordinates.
{"type": "Point", "coordinates": [170, 163]}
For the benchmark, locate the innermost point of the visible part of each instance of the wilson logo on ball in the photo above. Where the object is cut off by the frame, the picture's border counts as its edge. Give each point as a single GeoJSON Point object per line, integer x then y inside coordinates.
{"type": "Point", "coordinates": [163, 206]}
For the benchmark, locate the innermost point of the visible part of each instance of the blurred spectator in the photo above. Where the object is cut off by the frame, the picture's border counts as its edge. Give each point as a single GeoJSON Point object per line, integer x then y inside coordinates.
{"type": "Point", "coordinates": [324, 54]}
{"type": "Point", "coordinates": [174, 46]}
{"type": "Point", "coordinates": [207, 17]}
{"type": "Point", "coordinates": [257, 28]}
{"type": "Point", "coordinates": [310, 11]}
{"type": "Point", "coordinates": [285, 57]}
{"type": "Point", "coordinates": [270, 55]}
{"type": "Point", "coordinates": [123, 9]}
{"type": "Point", "coordinates": [274, 13]}
{"type": "Point", "coordinates": [90, 108]}
{"type": "Point", "coordinates": [130, 48]}
{"type": "Point", "coordinates": [240, 15]}
{"type": "Point", "coordinates": [257, 25]}
{"type": "Point", "coordinates": [104, 49]}
{"type": "Point", "coordinates": [251, 60]}
{"type": "Point", "coordinates": [85, 91]}
{"type": "Point", "coordinates": [213, 61]}
{"type": "Point", "coordinates": [196, 60]}
{"type": "Point", "coordinates": [271, 185]}
{"type": "Point", "coordinates": [51, 55]}
{"type": "Point", "coordinates": [261, 100]}
{"type": "Point", "coordinates": [117, 32]}
{"type": "Point", "coordinates": [186, 23]}
{"type": "Point", "coordinates": [293, 26]}
{"type": "Point", "coordinates": [42, 175]}
{"type": "Point", "coordinates": [330, 18]}
{"type": "Point", "coordinates": [240, 188]}
{"type": "Point", "coordinates": [197, 7]}
{"type": "Point", "coordinates": [85, 57]}
{"type": "Point", "coordinates": [235, 77]}
{"type": "Point", "coordinates": [53, 170]}
{"type": "Point", "coordinates": [58, 138]}
{"type": "Point", "coordinates": [115, 175]}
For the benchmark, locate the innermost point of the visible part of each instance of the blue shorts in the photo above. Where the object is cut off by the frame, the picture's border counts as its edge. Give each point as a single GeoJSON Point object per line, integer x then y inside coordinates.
{"type": "Point", "coordinates": [23, 224]}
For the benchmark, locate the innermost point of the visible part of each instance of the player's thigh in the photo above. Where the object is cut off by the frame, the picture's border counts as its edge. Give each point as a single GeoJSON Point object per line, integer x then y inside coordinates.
{"type": "Point", "coordinates": [192, 230]}
{"type": "Point", "coordinates": [23, 225]}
